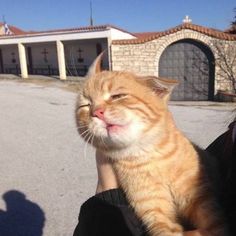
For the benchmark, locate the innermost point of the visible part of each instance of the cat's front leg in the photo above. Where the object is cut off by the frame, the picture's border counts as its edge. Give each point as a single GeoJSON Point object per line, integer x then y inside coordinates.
{"type": "Point", "coordinates": [159, 216]}
{"type": "Point", "coordinates": [160, 225]}
{"type": "Point", "coordinates": [150, 197]}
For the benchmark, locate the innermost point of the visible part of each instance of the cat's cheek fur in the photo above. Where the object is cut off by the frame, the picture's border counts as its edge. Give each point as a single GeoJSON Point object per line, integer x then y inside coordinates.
{"type": "Point", "coordinates": [127, 135]}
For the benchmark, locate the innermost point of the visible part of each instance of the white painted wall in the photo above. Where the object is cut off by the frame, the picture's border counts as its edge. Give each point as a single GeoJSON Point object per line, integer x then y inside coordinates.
{"type": "Point", "coordinates": [118, 34]}
{"type": "Point", "coordinates": [8, 57]}
{"type": "Point", "coordinates": [89, 52]}
{"type": "Point", "coordinates": [38, 56]}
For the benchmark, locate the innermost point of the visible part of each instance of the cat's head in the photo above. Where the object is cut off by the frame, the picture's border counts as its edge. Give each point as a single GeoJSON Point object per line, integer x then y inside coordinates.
{"type": "Point", "coordinates": [122, 112]}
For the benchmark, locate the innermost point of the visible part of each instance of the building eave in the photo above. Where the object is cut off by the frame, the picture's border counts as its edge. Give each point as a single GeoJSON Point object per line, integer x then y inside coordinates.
{"type": "Point", "coordinates": [90, 32]}
{"type": "Point", "coordinates": [54, 36]}
{"type": "Point", "coordinates": [145, 37]}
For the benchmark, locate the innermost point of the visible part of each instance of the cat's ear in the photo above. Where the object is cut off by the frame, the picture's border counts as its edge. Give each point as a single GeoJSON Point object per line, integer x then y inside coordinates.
{"type": "Point", "coordinates": [161, 86]}
{"type": "Point", "coordinates": [96, 65]}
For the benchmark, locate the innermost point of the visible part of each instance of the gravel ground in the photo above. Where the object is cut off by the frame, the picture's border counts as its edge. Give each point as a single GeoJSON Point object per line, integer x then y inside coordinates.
{"type": "Point", "coordinates": [45, 172]}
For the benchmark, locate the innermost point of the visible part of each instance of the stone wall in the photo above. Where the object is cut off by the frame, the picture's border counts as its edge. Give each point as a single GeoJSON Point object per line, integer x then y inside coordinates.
{"type": "Point", "coordinates": [143, 58]}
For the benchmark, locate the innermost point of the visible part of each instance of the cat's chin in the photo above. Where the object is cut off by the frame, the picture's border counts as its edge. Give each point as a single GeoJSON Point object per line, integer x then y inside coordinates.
{"type": "Point", "coordinates": [120, 150]}
{"type": "Point", "coordinates": [110, 144]}
{"type": "Point", "coordinates": [115, 129]}
{"type": "Point", "coordinates": [130, 153]}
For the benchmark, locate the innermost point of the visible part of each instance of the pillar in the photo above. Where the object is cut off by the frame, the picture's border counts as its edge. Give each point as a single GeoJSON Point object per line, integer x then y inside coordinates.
{"type": "Point", "coordinates": [23, 61]}
{"type": "Point", "coordinates": [61, 60]}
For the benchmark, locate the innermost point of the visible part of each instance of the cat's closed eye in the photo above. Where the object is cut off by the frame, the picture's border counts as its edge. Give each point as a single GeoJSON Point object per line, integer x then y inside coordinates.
{"type": "Point", "coordinates": [118, 96]}
{"type": "Point", "coordinates": [84, 105]}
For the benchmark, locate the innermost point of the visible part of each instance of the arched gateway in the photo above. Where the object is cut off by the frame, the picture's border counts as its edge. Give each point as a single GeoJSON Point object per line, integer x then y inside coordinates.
{"type": "Point", "coordinates": [192, 64]}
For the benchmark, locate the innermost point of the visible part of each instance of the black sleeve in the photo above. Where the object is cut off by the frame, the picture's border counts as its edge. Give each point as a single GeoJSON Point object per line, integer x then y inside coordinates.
{"type": "Point", "coordinates": [108, 214]}
{"type": "Point", "coordinates": [224, 149]}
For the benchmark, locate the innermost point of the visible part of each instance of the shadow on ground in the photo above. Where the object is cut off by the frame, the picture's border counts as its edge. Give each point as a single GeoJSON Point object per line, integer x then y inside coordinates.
{"type": "Point", "coordinates": [22, 217]}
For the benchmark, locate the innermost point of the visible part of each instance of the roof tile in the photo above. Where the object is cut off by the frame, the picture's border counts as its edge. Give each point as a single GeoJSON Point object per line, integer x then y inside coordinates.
{"type": "Point", "coordinates": [145, 37]}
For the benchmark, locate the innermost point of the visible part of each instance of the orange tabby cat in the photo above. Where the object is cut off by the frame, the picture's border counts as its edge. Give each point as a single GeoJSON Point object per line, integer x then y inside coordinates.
{"type": "Point", "coordinates": [126, 117]}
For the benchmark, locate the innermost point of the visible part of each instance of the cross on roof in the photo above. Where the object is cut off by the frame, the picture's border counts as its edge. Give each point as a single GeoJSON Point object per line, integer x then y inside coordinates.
{"type": "Point", "coordinates": [187, 19]}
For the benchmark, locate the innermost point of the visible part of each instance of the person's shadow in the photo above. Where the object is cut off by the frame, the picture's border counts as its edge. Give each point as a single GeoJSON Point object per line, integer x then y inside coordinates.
{"type": "Point", "coordinates": [22, 217]}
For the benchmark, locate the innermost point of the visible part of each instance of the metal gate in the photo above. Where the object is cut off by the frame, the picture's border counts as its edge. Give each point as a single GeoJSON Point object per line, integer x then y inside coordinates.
{"type": "Point", "coordinates": [192, 64]}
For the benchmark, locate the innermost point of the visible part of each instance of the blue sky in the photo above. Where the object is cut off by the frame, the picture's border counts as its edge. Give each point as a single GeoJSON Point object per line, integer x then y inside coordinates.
{"type": "Point", "coordinates": [131, 15]}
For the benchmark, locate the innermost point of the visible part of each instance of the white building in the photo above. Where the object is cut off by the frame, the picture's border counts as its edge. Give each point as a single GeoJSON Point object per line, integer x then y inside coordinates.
{"type": "Point", "coordinates": [57, 52]}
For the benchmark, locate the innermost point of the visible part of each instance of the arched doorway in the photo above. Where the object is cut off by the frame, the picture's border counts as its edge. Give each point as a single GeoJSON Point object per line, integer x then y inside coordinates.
{"type": "Point", "coordinates": [192, 64]}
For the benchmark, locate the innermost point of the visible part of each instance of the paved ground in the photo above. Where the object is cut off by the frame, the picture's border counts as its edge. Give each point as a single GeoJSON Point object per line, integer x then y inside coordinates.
{"type": "Point", "coordinates": [43, 160]}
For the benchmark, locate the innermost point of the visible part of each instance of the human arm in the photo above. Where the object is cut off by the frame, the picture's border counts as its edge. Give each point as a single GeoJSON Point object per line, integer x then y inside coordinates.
{"type": "Point", "coordinates": [106, 176]}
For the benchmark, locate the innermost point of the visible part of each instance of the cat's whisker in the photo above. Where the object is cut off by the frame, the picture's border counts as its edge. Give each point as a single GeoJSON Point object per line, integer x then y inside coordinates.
{"type": "Point", "coordinates": [85, 148]}
{"type": "Point", "coordinates": [82, 126]}
{"type": "Point", "coordinates": [85, 132]}
{"type": "Point", "coordinates": [85, 135]}
{"type": "Point", "coordinates": [103, 142]}
{"type": "Point", "coordinates": [87, 139]}
{"type": "Point", "coordinates": [92, 139]}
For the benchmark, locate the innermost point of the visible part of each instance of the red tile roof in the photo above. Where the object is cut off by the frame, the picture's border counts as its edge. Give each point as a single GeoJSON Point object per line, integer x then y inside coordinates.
{"type": "Point", "coordinates": [13, 29]}
{"type": "Point", "coordinates": [145, 34]}
{"type": "Point", "coordinates": [145, 37]}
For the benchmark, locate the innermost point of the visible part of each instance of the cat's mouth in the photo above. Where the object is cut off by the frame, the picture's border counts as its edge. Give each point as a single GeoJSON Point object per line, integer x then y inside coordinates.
{"type": "Point", "coordinates": [114, 128]}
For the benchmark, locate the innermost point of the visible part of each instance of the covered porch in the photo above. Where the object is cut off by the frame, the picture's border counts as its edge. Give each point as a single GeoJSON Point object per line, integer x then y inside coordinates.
{"type": "Point", "coordinates": [63, 53]}
{"type": "Point", "coordinates": [60, 58]}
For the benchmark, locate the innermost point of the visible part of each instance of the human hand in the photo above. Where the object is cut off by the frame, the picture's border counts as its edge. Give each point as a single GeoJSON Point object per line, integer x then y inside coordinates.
{"type": "Point", "coordinates": [196, 233]}
{"type": "Point", "coordinates": [106, 175]}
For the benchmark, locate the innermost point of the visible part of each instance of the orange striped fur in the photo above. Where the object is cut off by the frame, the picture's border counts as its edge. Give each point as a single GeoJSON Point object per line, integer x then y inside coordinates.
{"type": "Point", "coordinates": [156, 165]}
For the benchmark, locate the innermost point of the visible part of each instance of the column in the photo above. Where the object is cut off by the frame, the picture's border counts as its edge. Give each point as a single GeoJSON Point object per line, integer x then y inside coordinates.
{"type": "Point", "coordinates": [23, 61]}
{"type": "Point", "coordinates": [61, 60]}
{"type": "Point", "coordinates": [109, 53]}
{"type": "Point", "coordinates": [1, 62]}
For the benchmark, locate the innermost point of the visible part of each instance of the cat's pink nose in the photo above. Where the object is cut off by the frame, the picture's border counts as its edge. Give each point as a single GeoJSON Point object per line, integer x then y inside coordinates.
{"type": "Point", "coordinates": [99, 113]}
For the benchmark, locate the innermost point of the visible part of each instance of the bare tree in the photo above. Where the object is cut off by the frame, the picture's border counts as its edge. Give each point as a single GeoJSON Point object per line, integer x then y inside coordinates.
{"type": "Point", "coordinates": [225, 60]}
{"type": "Point", "coordinates": [233, 22]}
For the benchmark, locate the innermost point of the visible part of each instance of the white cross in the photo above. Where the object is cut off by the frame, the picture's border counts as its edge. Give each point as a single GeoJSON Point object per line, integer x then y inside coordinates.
{"type": "Point", "coordinates": [187, 19]}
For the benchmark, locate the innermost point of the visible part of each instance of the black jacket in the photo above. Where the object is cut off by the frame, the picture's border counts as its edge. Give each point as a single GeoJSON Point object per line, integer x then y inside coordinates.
{"type": "Point", "coordinates": [108, 214]}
